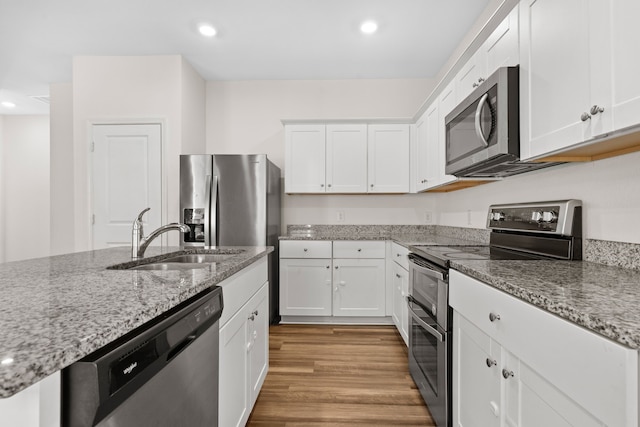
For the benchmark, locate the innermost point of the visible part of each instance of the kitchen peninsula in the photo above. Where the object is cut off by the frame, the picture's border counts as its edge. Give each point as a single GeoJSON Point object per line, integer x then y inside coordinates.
{"type": "Point", "coordinates": [58, 309]}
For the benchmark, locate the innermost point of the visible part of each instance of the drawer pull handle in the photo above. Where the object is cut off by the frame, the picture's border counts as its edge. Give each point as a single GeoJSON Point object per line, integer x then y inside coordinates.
{"type": "Point", "coordinates": [359, 250]}
{"type": "Point", "coordinates": [336, 267]}
{"type": "Point", "coordinates": [398, 255]}
{"type": "Point", "coordinates": [491, 362]}
{"type": "Point", "coordinates": [252, 317]}
{"type": "Point", "coordinates": [507, 374]}
{"type": "Point", "coordinates": [255, 312]}
{"type": "Point", "coordinates": [493, 317]}
{"type": "Point", "coordinates": [398, 276]}
{"type": "Point", "coordinates": [305, 249]}
{"type": "Point", "coordinates": [328, 266]}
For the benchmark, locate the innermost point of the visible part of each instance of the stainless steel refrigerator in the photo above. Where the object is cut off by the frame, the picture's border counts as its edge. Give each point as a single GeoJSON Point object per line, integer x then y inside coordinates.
{"type": "Point", "coordinates": [233, 200]}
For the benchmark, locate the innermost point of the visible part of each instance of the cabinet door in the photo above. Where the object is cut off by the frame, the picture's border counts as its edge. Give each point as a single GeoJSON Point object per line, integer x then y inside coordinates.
{"type": "Point", "coordinates": [346, 159]}
{"type": "Point", "coordinates": [388, 158]}
{"type": "Point", "coordinates": [476, 376]}
{"type": "Point", "coordinates": [471, 74]}
{"type": "Point", "coordinates": [427, 149]}
{"type": "Point", "coordinates": [305, 287]}
{"type": "Point", "coordinates": [358, 287]}
{"type": "Point", "coordinates": [531, 400]}
{"type": "Point", "coordinates": [626, 63]}
{"type": "Point", "coordinates": [305, 159]}
{"type": "Point", "coordinates": [258, 341]}
{"type": "Point", "coordinates": [563, 73]}
{"type": "Point", "coordinates": [233, 391]}
{"type": "Point", "coordinates": [400, 314]}
{"type": "Point", "coordinates": [446, 103]}
{"type": "Point", "coordinates": [502, 47]}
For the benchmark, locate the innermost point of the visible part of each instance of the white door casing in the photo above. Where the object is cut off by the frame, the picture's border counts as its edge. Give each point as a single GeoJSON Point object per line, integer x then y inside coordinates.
{"type": "Point", "coordinates": [126, 177]}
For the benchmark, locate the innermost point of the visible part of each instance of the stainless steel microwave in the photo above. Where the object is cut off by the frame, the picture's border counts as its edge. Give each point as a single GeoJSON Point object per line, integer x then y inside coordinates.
{"type": "Point", "coordinates": [483, 131]}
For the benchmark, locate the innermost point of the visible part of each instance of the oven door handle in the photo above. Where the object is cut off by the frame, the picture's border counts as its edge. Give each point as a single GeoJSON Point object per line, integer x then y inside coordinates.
{"type": "Point", "coordinates": [424, 325]}
{"type": "Point", "coordinates": [427, 271]}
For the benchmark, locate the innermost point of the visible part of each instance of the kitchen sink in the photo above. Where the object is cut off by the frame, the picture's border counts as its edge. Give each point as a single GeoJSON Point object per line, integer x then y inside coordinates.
{"type": "Point", "coordinates": [184, 262]}
{"type": "Point", "coordinates": [165, 266]}
{"type": "Point", "coordinates": [180, 261]}
{"type": "Point", "coordinates": [198, 258]}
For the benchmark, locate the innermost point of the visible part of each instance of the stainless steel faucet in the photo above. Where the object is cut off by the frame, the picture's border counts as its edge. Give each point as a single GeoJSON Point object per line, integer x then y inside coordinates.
{"type": "Point", "coordinates": [139, 242]}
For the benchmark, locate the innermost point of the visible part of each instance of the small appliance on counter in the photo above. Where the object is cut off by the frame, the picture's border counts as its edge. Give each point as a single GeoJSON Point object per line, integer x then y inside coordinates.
{"type": "Point", "coordinates": [233, 200]}
{"type": "Point", "coordinates": [523, 231]}
{"type": "Point", "coordinates": [483, 131]}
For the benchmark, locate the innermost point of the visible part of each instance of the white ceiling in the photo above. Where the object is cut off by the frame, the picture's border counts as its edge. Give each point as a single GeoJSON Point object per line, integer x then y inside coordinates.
{"type": "Point", "coordinates": [257, 39]}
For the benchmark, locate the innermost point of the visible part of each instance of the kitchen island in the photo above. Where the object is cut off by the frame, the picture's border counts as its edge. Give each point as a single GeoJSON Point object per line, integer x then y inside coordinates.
{"type": "Point", "coordinates": [58, 309]}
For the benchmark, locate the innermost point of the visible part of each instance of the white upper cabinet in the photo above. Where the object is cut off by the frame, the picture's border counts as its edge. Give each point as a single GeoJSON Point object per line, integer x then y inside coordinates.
{"type": "Point", "coordinates": [502, 48]}
{"type": "Point", "coordinates": [471, 75]}
{"type": "Point", "coordinates": [446, 103]}
{"type": "Point", "coordinates": [422, 155]}
{"type": "Point", "coordinates": [388, 156]}
{"type": "Point", "coordinates": [346, 159]}
{"type": "Point", "coordinates": [565, 78]}
{"type": "Point", "coordinates": [625, 63]}
{"type": "Point", "coordinates": [305, 159]}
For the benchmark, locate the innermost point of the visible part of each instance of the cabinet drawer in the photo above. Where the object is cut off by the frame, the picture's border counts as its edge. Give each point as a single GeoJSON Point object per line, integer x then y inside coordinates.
{"type": "Point", "coordinates": [400, 255]}
{"type": "Point", "coordinates": [358, 249]}
{"type": "Point", "coordinates": [305, 249]}
{"type": "Point", "coordinates": [572, 358]}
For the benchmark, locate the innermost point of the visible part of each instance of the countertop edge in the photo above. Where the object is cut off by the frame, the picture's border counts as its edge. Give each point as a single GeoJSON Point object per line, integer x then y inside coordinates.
{"type": "Point", "coordinates": [60, 358]}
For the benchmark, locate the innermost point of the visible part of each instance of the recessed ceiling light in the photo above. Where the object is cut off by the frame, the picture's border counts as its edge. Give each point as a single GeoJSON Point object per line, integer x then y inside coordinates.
{"type": "Point", "coordinates": [207, 30]}
{"type": "Point", "coordinates": [7, 104]}
{"type": "Point", "coordinates": [369, 27]}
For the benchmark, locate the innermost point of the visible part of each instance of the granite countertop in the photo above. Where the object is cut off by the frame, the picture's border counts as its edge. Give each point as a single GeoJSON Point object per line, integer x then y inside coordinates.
{"type": "Point", "coordinates": [601, 298]}
{"type": "Point", "coordinates": [58, 309]}
{"type": "Point", "coordinates": [404, 239]}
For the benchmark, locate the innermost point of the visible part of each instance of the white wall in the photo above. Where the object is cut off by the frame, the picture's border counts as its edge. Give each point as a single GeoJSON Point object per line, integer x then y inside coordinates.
{"type": "Point", "coordinates": [25, 182]}
{"type": "Point", "coordinates": [135, 89]}
{"type": "Point", "coordinates": [244, 117]}
{"type": "Point", "coordinates": [609, 189]}
{"type": "Point", "coordinates": [2, 200]}
{"type": "Point", "coordinates": [61, 168]}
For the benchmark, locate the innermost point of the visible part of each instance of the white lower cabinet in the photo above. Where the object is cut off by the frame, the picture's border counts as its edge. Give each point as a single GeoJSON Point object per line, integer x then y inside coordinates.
{"type": "Point", "coordinates": [517, 365]}
{"type": "Point", "coordinates": [305, 287]}
{"type": "Point", "coordinates": [400, 313]}
{"type": "Point", "coordinates": [332, 279]}
{"type": "Point", "coordinates": [244, 346]}
{"type": "Point", "coordinates": [358, 287]}
{"type": "Point", "coordinates": [398, 279]}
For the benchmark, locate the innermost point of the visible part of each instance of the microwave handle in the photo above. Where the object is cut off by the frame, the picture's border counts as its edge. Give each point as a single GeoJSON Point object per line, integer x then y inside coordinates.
{"type": "Point", "coordinates": [478, 113]}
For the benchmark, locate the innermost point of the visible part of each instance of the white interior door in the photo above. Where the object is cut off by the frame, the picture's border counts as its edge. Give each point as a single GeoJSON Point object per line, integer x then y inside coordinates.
{"type": "Point", "coordinates": [127, 178]}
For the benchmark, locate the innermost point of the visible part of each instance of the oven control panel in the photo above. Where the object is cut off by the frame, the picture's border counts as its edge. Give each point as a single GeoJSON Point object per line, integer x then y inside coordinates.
{"type": "Point", "coordinates": [545, 217]}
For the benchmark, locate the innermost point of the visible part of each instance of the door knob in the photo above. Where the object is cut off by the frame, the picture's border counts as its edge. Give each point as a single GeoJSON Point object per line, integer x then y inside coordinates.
{"type": "Point", "coordinates": [491, 362]}
{"type": "Point", "coordinates": [585, 116]}
{"type": "Point", "coordinates": [493, 317]}
{"type": "Point", "coordinates": [507, 374]}
{"type": "Point", "coordinates": [596, 109]}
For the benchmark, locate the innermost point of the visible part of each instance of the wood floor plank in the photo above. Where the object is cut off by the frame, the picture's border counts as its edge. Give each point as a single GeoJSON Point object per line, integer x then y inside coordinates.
{"type": "Point", "coordinates": [327, 375]}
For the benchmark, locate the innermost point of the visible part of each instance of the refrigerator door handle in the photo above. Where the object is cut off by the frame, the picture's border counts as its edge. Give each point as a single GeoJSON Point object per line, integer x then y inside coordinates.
{"type": "Point", "coordinates": [207, 211]}
{"type": "Point", "coordinates": [213, 218]}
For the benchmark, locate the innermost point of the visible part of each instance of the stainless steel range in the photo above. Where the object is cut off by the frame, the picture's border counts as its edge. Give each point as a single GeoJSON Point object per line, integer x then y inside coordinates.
{"type": "Point", "coordinates": [541, 230]}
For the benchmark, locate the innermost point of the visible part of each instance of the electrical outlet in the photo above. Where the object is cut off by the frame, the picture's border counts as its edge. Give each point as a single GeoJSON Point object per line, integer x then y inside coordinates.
{"type": "Point", "coordinates": [428, 217]}
{"type": "Point", "coordinates": [340, 216]}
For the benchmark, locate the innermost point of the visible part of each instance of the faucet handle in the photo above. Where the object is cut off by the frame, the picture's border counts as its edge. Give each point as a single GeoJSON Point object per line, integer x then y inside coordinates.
{"type": "Point", "coordinates": [142, 213]}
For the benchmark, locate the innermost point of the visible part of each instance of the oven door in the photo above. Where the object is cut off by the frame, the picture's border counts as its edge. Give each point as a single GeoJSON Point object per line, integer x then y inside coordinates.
{"type": "Point", "coordinates": [428, 361]}
{"type": "Point", "coordinates": [428, 286]}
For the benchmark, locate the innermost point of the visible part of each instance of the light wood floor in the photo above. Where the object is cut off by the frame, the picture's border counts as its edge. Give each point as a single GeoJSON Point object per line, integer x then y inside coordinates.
{"type": "Point", "coordinates": [338, 376]}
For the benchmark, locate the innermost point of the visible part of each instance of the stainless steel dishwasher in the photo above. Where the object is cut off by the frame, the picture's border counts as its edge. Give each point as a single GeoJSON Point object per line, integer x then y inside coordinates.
{"type": "Point", "coordinates": [164, 373]}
